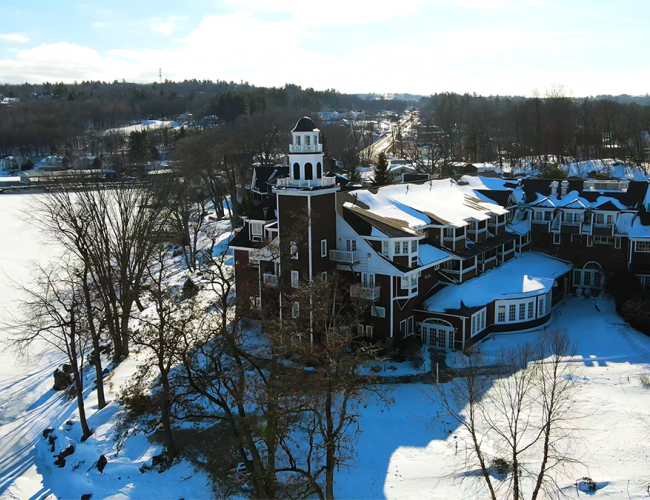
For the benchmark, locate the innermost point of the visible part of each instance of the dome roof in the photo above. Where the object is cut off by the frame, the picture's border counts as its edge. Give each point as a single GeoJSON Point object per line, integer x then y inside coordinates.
{"type": "Point", "coordinates": [305, 124]}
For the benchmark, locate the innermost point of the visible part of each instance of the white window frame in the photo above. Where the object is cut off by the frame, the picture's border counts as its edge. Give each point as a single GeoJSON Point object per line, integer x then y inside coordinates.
{"type": "Point", "coordinates": [603, 240]}
{"type": "Point", "coordinates": [295, 279]}
{"type": "Point", "coordinates": [369, 331]}
{"type": "Point", "coordinates": [404, 283]}
{"type": "Point", "coordinates": [257, 229]}
{"type": "Point", "coordinates": [378, 312]}
{"type": "Point", "coordinates": [520, 305]}
{"type": "Point", "coordinates": [350, 245]}
{"type": "Point", "coordinates": [479, 321]}
{"type": "Point", "coordinates": [323, 248]}
{"type": "Point", "coordinates": [385, 248]}
{"type": "Point", "coordinates": [556, 238]}
{"type": "Point", "coordinates": [368, 280]}
{"type": "Point", "coordinates": [642, 246]}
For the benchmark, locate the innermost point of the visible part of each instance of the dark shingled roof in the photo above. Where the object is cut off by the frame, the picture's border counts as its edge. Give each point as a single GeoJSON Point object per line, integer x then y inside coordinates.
{"type": "Point", "coordinates": [305, 124]}
{"type": "Point", "coordinates": [265, 174]}
{"type": "Point", "coordinates": [485, 246]}
{"type": "Point", "coordinates": [500, 196]}
{"type": "Point", "coordinates": [264, 210]}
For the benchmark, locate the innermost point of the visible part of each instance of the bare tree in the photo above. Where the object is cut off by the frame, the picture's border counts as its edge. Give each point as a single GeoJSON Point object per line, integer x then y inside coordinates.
{"type": "Point", "coordinates": [526, 416]}
{"type": "Point", "coordinates": [113, 232]}
{"type": "Point", "coordinates": [53, 311]}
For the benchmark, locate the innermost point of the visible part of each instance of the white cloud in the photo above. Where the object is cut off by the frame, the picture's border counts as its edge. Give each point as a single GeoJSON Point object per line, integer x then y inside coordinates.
{"type": "Point", "coordinates": [507, 59]}
{"type": "Point", "coordinates": [166, 27]}
{"type": "Point", "coordinates": [14, 38]}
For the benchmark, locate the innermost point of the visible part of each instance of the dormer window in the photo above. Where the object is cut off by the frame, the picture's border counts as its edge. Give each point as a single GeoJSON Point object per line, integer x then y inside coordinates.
{"type": "Point", "coordinates": [256, 228]}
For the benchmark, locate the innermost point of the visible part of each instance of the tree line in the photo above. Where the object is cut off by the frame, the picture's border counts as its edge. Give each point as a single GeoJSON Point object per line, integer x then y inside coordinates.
{"type": "Point", "coordinates": [475, 128]}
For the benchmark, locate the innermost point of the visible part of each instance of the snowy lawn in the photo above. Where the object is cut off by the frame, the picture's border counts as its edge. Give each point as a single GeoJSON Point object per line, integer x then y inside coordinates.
{"type": "Point", "coordinates": [409, 451]}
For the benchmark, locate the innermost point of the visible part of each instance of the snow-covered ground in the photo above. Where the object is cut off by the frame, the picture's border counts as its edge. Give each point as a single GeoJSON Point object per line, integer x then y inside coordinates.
{"type": "Point", "coordinates": [406, 451]}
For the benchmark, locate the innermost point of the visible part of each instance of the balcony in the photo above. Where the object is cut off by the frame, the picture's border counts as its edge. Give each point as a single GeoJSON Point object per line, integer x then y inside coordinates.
{"type": "Point", "coordinates": [305, 148]}
{"type": "Point", "coordinates": [343, 257]}
{"type": "Point", "coordinates": [270, 280]}
{"type": "Point", "coordinates": [360, 292]}
{"type": "Point", "coordinates": [288, 182]}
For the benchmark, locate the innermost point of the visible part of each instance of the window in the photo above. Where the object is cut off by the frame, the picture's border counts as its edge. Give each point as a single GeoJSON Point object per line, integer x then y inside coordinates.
{"type": "Point", "coordinates": [603, 240]}
{"type": "Point", "coordinates": [256, 228]}
{"type": "Point", "coordinates": [307, 140]}
{"type": "Point", "coordinates": [542, 307]}
{"type": "Point", "coordinates": [617, 242]}
{"type": "Point", "coordinates": [414, 281]}
{"type": "Point", "coordinates": [450, 232]}
{"type": "Point", "coordinates": [512, 313]}
{"type": "Point", "coordinates": [577, 277]}
{"type": "Point", "coordinates": [590, 241]}
{"type": "Point", "coordinates": [378, 312]}
{"type": "Point", "coordinates": [531, 309]}
{"type": "Point", "coordinates": [384, 248]}
{"type": "Point", "coordinates": [402, 327]}
{"type": "Point", "coordinates": [586, 279]}
{"type": "Point", "coordinates": [294, 250]}
{"type": "Point", "coordinates": [405, 283]}
{"type": "Point", "coordinates": [501, 314]}
{"type": "Point", "coordinates": [478, 321]}
{"type": "Point", "coordinates": [351, 245]}
{"type": "Point", "coordinates": [398, 248]}
{"type": "Point", "coordinates": [603, 219]}
{"type": "Point", "coordinates": [309, 172]}
{"type": "Point", "coordinates": [319, 170]}
{"type": "Point", "coordinates": [368, 280]}
{"type": "Point", "coordinates": [548, 215]}
{"type": "Point", "coordinates": [295, 310]}
{"type": "Point", "coordinates": [538, 215]}
{"type": "Point", "coordinates": [405, 247]}
{"type": "Point", "coordinates": [296, 167]}
{"type": "Point", "coordinates": [473, 225]}
{"type": "Point", "coordinates": [369, 331]}
{"type": "Point", "coordinates": [556, 239]}
{"type": "Point", "coordinates": [642, 246]}
{"type": "Point", "coordinates": [295, 279]}
{"type": "Point", "coordinates": [414, 246]}
{"type": "Point", "coordinates": [522, 311]}
{"type": "Point", "coordinates": [323, 276]}
{"type": "Point", "coordinates": [323, 248]}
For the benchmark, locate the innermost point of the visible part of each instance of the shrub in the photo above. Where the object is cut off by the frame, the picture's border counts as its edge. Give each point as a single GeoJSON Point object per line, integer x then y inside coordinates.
{"type": "Point", "coordinates": [637, 313]}
{"type": "Point", "coordinates": [645, 379]}
{"type": "Point", "coordinates": [410, 349]}
{"type": "Point", "coordinates": [190, 289]}
{"type": "Point", "coordinates": [500, 466]}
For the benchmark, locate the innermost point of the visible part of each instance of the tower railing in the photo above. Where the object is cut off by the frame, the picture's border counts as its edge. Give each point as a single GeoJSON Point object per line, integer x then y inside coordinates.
{"type": "Point", "coordinates": [307, 183]}
{"type": "Point", "coordinates": [305, 148]}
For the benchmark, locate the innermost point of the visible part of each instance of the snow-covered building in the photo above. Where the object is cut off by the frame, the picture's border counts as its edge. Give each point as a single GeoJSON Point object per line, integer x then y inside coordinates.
{"type": "Point", "coordinates": [447, 260]}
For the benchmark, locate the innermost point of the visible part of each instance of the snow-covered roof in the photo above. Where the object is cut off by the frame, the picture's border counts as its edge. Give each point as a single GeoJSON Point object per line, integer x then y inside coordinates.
{"type": "Point", "coordinates": [428, 254]}
{"type": "Point", "coordinates": [439, 201]}
{"type": "Point", "coordinates": [638, 230]}
{"type": "Point", "coordinates": [528, 275]}
{"type": "Point", "coordinates": [624, 223]}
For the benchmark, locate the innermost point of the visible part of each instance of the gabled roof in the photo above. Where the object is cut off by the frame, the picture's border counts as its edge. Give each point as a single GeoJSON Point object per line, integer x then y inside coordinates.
{"type": "Point", "coordinates": [606, 205]}
{"type": "Point", "coordinates": [575, 204]}
{"type": "Point", "coordinates": [263, 211]}
{"type": "Point", "coordinates": [363, 222]}
{"type": "Point", "coordinates": [263, 175]}
{"type": "Point", "coordinates": [544, 203]}
{"type": "Point", "coordinates": [500, 196]}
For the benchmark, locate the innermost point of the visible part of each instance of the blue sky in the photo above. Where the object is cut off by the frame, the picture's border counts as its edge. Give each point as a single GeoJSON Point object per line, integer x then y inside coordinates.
{"type": "Point", "coordinates": [485, 46]}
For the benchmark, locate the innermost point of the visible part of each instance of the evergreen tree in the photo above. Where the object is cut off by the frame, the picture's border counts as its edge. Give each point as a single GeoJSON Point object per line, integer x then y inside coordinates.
{"type": "Point", "coordinates": [383, 176]}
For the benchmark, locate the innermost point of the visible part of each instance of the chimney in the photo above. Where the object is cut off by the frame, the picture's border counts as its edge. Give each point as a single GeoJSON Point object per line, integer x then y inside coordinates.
{"type": "Point", "coordinates": [554, 188]}
{"type": "Point", "coordinates": [564, 188]}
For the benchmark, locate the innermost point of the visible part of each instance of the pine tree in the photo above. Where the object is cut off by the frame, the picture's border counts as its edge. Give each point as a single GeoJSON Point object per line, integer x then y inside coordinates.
{"type": "Point", "coordinates": [383, 176]}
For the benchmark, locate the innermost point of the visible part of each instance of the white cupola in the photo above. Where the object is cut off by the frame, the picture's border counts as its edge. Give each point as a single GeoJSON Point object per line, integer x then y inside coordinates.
{"type": "Point", "coordinates": [305, 152]}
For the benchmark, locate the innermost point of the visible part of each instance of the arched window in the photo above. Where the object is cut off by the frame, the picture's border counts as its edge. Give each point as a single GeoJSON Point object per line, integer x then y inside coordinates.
{"type": "Point", "coordinates": [296, 171]}
{"type": "Point", "coordinates": [319, 170]}
{"type": "Point", "coordinates": [309, 174]}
